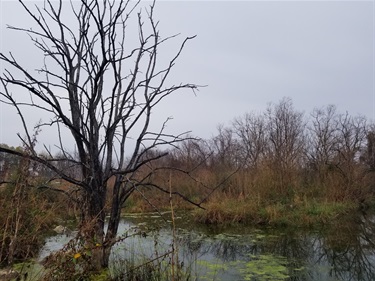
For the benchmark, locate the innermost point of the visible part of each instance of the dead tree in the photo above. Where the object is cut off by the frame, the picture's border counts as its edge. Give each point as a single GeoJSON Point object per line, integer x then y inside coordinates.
{"type": "Point", "coordinates": [100, 88]}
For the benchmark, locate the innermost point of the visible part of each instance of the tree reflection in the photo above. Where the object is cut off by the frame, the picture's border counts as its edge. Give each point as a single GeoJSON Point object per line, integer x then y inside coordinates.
{"type": "Point", "coordinates": [350, 250]}
{"type": "Point", "coordinates": [345, 251]}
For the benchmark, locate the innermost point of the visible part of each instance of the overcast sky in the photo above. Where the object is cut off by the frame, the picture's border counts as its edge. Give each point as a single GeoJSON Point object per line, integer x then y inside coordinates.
{"type": "Point", "coordinates": [248, 53]}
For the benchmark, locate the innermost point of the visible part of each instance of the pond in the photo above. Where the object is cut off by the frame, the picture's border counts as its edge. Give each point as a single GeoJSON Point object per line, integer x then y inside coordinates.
{"type": "Point", "coordinates": [343, 251]}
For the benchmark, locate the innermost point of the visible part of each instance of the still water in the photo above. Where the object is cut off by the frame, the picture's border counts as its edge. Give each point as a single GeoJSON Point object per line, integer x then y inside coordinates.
{"type": "Point", "coordinates": [343, 251]}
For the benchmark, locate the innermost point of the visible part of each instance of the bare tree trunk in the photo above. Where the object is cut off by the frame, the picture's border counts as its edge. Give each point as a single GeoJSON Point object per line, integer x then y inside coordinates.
{"type": "Point", "coordinates": [92, 228]}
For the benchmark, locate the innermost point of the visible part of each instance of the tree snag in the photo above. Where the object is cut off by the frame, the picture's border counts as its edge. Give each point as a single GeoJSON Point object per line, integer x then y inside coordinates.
{"type": "Point", "coordinates": [101, 94]}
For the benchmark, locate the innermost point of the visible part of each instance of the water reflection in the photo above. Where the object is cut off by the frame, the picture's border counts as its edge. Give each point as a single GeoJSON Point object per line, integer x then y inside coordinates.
{"type": "Point", "coordinates": [348, 249]}
{"type": "Point", "coordinates": [343, 251]}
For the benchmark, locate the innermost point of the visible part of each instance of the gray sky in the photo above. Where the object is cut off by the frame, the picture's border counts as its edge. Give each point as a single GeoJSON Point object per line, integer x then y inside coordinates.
{"type": "Point", "coordinates": [248, 53]}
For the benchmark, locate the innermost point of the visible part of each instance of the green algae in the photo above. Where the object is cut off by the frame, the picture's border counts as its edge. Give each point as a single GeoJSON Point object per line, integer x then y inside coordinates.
{"type": "Point", "coordinates": [266, 268]}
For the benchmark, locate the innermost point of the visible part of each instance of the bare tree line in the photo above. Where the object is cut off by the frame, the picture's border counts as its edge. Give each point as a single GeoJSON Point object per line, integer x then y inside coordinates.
{"type": "Point", "coordinates": [286, 140]}
{"type": "Point", "coordinates": [296, 148]}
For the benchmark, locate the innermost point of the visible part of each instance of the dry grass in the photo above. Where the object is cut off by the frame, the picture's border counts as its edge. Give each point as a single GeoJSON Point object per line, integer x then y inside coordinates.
{"type": "Point", "coordinates": [257, 196]}
{"type": "Point", "coordinates": [27, 215]}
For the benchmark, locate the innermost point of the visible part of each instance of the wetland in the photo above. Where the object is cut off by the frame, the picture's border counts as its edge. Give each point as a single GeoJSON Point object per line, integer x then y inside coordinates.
{"type": "Point", "coordinates": [342, 250]}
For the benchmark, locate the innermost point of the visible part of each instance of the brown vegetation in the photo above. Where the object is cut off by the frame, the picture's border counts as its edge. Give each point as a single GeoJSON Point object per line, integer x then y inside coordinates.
{"type": "Point", "coordinates": [28, 213]}
{"type": "Point", "coordinates": [277, 167]}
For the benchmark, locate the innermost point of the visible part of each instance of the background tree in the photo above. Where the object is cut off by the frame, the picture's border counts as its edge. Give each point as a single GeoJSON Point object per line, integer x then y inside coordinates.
{"type": "Point", "coordinates": [352, 139]}
{"type": "Point", "coordinates": [336, 144]}
{"type": "Point", "coordinates": [369, 155]}
{"type": "Point", "coordinates": [251, 132]}
{"type": "Point", "coordinates": [322, 140]}
{"type": "Point", "coordinates": [99, 92]}
{"type": "Point", "coordinates": [225, 149]}
{"type": "Point", "coordinates": [286, 140]}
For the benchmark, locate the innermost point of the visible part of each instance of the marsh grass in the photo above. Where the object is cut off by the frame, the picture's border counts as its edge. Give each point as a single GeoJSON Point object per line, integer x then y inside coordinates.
{"type": "Point", "coordinates": [137, 268]}
{"type": "Point", "coordinates": [298, 212]}
{"type": "Point", "coordinates": [27, 216]}
{"type": "Point", "coordinates": [266, 194]}
{"type": "Point", "coordinates": [162, 264]}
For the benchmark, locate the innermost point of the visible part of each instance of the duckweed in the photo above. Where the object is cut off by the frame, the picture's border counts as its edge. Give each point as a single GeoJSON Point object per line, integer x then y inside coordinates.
{"type": "Point", "coordinates": [266, 268]}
